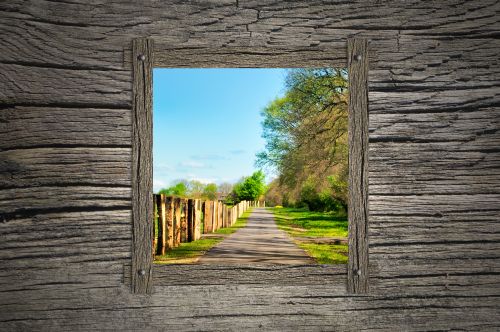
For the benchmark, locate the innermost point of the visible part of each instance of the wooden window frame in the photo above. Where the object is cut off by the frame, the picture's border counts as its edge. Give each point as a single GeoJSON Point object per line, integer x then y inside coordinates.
{"type": "Point", "coordinates": [146, 55]}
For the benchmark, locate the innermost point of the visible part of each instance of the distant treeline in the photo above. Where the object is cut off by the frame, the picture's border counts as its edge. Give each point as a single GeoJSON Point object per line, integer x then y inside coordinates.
{"type": "Point", "coordinates": [249, 188]}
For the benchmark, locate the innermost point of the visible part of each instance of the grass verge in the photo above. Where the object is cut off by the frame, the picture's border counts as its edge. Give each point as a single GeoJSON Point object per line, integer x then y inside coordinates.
{"type": "Point", "coordinates": [188, 253]}
{"type": "Point", "coordinates": [301, 224]}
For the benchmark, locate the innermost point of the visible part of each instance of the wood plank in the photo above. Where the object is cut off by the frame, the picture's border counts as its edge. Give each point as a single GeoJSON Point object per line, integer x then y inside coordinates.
{"type": "Point", "coordinates": [254, 57]}
{"type": "Point", "coordinates": [142, 172]}
{"type": "Point", "coordinates": [65, 166]}
{"type": "Point", "coordinates": [331, 275]}
{"type": "Point", "coordinates": [33, 201]}
{"type": "Point", "coordinates": [286, 307]}
{"type": "Point", "coordinates": [31, 127]}
{"type": "Point", "coordinates": [357, 272]}
{"type": "Point", "coordinates": [64, 87]}
{"type": "Point", "coordinates": [65, 239]}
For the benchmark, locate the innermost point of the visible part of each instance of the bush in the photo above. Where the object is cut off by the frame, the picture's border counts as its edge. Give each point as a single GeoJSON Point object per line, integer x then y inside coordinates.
{"type": "Point", "coordinates": [310, 198]}
{"type": "Point", "coordinates": [320, 202]}
{"type": "Point", "coordinates": [285, 201]}
{"type": "Point", "coordinates": [251, 187]}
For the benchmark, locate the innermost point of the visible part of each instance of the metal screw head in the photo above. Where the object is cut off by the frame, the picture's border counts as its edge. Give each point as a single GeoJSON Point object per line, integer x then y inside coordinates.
{"type": "Point", "coordinates": [357, 272]}
{"type": "Point", "coordinates": [141, 272]}
{"type": "Point", "coordinates": [141, 57]}
{"type": "Point", "coordinates": [358, 57]}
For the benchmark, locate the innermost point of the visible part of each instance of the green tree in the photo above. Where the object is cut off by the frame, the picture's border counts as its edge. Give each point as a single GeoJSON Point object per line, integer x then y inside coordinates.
{"type": "Point", "coordinates": [306, 132]}
{"type": "Point", "coordinates": [178, 189]}
{"type": "Point", "coordinates": [210, 191]}
{"type": "Point", "coordinates": [195, 189]}
{"type": "Point", "coordinates": [251, 187]}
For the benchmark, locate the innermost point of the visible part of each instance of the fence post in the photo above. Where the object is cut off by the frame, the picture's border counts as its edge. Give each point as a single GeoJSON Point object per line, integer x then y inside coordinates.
{"type": "Point", "coordinates": [224, 216]}
{"type": "Point", "coordinates": [184, 209]}
{"type": "Point", "coordinates": [190, 220]}
{"type": "Point", "coordinates": [221, 214]}
{"type": "Point", "coordinates": [213, 211]}
{"type": "Point", "coordinates": [177, 223]}
{"type": "Point", "coordinates": [169, 212]}
{"type": "Point", "coordinates": [156, 221]}
{"type": "Point", "coordinates": [206, 209]}
{"type": "Point", "coordinates": [214, 215]}
{"type": "Point", "coordinates": [197, 220]}
{"type": "Point", "coordinates": [162, 225]}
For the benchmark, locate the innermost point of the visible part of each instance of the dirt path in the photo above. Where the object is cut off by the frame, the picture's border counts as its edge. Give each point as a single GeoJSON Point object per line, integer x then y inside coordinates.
{"type": "Point", "coordinates": [260, 242]}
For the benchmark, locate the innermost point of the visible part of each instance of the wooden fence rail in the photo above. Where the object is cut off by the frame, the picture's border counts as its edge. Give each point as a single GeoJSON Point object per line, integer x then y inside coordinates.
{"type": "Point", "coordinates": [181, 220]}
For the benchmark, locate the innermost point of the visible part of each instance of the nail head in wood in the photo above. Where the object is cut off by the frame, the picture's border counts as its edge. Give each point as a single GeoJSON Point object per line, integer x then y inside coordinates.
{"type": "Point", "coordinates": [141, 57]}
{"type": "Point", "coordinates": [141, 272]}
{"type": "Point", "coordinates": [358, 57]}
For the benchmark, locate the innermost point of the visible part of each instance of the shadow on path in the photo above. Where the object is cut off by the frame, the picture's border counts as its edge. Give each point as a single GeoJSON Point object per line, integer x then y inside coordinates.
{"type": "Point", "coordinates": [260, 242]}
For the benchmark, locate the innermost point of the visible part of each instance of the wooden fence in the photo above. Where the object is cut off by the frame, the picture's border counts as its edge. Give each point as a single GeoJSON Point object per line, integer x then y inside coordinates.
{"type": "Point", "coordinates": [183, 220]}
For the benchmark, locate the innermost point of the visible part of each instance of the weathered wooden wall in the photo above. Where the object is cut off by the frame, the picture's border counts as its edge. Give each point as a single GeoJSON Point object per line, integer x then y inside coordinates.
{"type": "Point", "coordinates": [434, 158]}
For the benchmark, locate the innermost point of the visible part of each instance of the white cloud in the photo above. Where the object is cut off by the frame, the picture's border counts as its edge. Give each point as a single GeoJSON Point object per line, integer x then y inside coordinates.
{"type": "Point", "coordinates": [192, 164]}
{"type": "Point", "coordinates": [209, 156]}
{"type": "Point", "coordinates": [237, 151]}
{"type": "Point", "coordinates": [162, 168]}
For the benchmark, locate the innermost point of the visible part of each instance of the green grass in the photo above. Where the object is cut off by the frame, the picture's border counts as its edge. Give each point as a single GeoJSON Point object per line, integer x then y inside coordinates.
{"type": "Point", "coordinates": [188, 253]}
{"type": "Point", "coordinates": [326, 253]}
{"type": "Point", "coordinates": [301, 223]}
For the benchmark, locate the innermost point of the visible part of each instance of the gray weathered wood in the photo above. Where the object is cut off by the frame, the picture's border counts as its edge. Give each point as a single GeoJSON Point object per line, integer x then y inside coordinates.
{"type": "Point", "coordinates": [357, 272]}
{"type": "Point", "coordinates": [142, 175]}
{"type": "Point", "coordinates": [434, 184]}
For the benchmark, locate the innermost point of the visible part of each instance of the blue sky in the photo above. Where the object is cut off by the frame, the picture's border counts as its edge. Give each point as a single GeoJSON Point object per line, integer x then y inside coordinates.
{"type": "Point", "coordinates": [206, 122]}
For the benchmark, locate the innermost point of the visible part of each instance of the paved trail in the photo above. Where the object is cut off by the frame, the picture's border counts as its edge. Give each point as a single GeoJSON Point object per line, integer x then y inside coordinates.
{"type": "Point", "coordinates": [260, 242]}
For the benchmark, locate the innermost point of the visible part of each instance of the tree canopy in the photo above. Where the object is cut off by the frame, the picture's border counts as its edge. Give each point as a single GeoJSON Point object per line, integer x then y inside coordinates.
{"type": "Point", "coordinates": [250, 188]}
{"type": "Point", "coordinates": [306, 133]}
{"type": "Point", "coordinates": [191, 189]}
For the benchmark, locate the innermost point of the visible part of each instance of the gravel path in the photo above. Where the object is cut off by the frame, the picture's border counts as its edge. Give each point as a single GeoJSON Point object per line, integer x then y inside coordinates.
{"type": "Point", "coordinates": [260, 242]}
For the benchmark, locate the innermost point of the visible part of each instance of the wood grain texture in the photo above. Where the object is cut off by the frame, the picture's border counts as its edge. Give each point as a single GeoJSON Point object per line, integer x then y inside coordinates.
{"type": "Point", "coordinates": [434, 99]}
{"type": "Point", "coordinates": [357, 271]}
{"type": "Point", "coordinates": [142, 168]}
